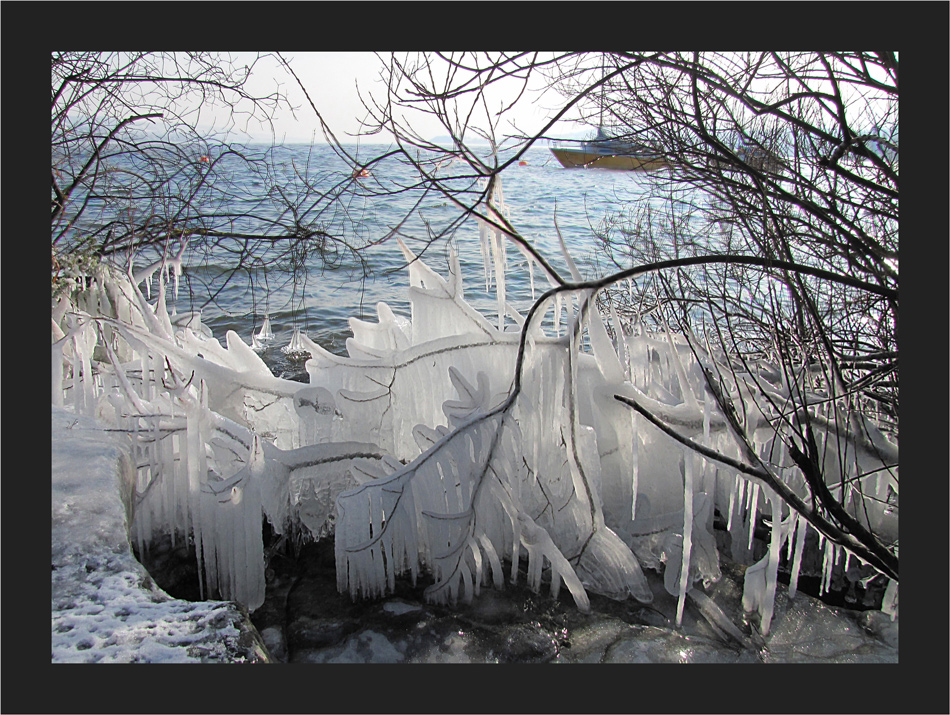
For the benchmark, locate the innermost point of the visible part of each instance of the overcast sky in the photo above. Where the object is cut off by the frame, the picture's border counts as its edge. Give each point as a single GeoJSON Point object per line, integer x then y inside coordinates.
{"type": "Point", "coordinates": [331, 79]}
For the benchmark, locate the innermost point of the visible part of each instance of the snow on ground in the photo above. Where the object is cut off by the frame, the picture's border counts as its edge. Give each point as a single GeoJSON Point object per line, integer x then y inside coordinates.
{"type": "Point", "coordinates": [105, 606]}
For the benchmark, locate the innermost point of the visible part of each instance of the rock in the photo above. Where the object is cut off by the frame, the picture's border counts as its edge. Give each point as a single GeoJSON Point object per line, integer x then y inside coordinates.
{"type": "Point", "coordinates": [367, 646]}
{"type": "Point", "coordinates": [646, 644]}
{"type": "Point", "coordinates": [589, 644]}
{"type": "Point", "coordinates": [805, 630]}
{"type": "Point", "coordinates": [275, 642]}
{"type": "Point", "coordinates": [494, 607]}
{"type": "Point", "coordinates": [527, 644]}
{"type": "Point", "coordinates": [306, 633]}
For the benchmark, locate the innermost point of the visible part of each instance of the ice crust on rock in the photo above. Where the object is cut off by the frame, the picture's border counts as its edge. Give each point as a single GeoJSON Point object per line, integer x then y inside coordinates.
{"type": "Point", "coordinates": [418, 454]}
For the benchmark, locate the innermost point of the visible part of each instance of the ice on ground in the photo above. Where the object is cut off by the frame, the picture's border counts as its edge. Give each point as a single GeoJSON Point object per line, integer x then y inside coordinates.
{"type": "Point", "coordinates": [647, 644]}
{"type": "Point", "coordinates": [398, 608]}
{"type": "Point", "coordinates": [806, 630]}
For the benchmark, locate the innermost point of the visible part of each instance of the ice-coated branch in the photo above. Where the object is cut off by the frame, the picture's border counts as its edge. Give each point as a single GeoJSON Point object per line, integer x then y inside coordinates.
{"type": "Point", "coordinates": [853, 536]}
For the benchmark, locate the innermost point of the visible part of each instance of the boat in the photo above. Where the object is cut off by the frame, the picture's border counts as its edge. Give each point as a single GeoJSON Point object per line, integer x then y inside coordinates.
{"type": "Point", "coordinates": [601, 152]}
{"type": "Point", "coordinates": [749, 152]}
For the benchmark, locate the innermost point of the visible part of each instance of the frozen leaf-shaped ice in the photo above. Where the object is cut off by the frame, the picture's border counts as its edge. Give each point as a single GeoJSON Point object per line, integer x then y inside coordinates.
{"type": "Point", "coordinates": [609, 568]}
{"type": "Point", "coordinates": [389, 334]}
{"type": "Point", "coordinates": [472, 400]}
{"type": "Point", "coordinates": [540, 546]}
{"type": "Point", "coordinates": [243, 357]}
{"type": "Point", "coordinates": [703, 558]}
{"type": "Point", "coordinates": [426, 437]}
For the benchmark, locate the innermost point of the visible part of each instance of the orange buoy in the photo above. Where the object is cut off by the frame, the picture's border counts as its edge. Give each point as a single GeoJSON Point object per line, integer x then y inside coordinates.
{"type": "Point", "coordinates": [361, 173]}
{"type": "Point", "coordinates": [522, 163]}
{"type": "Point", "coordinates": [205, 159]}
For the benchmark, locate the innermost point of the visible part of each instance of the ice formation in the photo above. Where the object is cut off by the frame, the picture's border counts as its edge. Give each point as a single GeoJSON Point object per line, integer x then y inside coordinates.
{"type": "Point", "coordinates": [445, 444]}
{"type": "Point", "coordinates": [266, 335]}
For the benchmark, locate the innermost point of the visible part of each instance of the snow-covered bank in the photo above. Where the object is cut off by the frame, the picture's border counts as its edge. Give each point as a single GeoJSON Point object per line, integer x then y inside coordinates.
{"type": "Point", "coordinates": [105, 606]}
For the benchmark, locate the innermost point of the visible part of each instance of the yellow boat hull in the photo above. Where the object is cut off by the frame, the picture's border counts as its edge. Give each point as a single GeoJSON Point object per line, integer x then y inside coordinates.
{"type": "Point", "coordinates": [572, 159]}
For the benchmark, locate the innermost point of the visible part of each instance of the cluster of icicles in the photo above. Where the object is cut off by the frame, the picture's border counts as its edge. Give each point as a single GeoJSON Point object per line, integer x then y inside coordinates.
{"type": "Point", "coordinates": [420, 451]}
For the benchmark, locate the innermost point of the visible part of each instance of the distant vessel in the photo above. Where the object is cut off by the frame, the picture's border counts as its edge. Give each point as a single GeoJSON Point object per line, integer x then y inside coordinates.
{"type": "Point", "coordinates": [750, 152]}
{"type": "Point", "coordinates": [601, 152]}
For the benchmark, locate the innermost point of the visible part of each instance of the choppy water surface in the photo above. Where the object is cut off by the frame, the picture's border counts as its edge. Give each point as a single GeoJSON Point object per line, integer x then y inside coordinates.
{"type": "Point", "coordinates": [321, 304]}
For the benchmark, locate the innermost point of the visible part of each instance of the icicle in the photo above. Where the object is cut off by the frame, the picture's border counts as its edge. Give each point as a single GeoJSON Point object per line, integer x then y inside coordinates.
{"type": "Point", "coordinates": [733, 493]}
{"type": "Point", "coordinates": [250, 565]}
{"type": "Point", "coordinates": [707, 416]}
{"type": "Point", "coordinates": [889, 604]}
{"type": "Point", "coordinates": [635, 463]}
{"type": "Point", "coordinates": [687, 534]}
{"type": "Point", "coordinates": [82, 374]}
{"type": "Point", "coordinates": [195, 448]}
{"type": "Point", "coordinates": [833, 559]}
{"type": "Point", "coordinates": [751, 512]}
{"type": "Point", "coordinates": [57, 374]}
{"type": "Point", "coordinates": [175, 264]}
{"type": "Point", "coordinates": [685, 388]}
{"type": "Point", "coordinates": [484, 237]}
{"type": "Point", "coordinates": [571, 266]}
{"type": "Point", "coordinates": [498, 246]}
{"type": "Point", "coordinates": [709, 469]}
{"type": "Point", "coordinates": [531, 276]}
{"type": "Point", "coordinates": [604, 350]}
{"type": "Point", "coordinates": [789, 543]}
{"type": "Point", "coordinates": [621, 341]}
{"type": "Point", "coordinates": [180, 484]}
{"type": "Point", "coordinates": [826, 566]}
{"type": "Point", "coordinates": [165, 463]}
{"type": "Point", "coordinates": [161, 312]}
{"type": "Point", "coordinates": [771, 573]}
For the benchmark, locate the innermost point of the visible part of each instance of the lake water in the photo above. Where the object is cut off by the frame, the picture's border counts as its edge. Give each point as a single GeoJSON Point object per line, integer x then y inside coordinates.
{"type": "Point", "coordinates": [321, 305]}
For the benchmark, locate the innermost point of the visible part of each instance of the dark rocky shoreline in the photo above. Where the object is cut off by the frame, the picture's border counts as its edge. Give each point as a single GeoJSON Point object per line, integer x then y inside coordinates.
{"type": "Point", "coordinates": [305, 619]}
